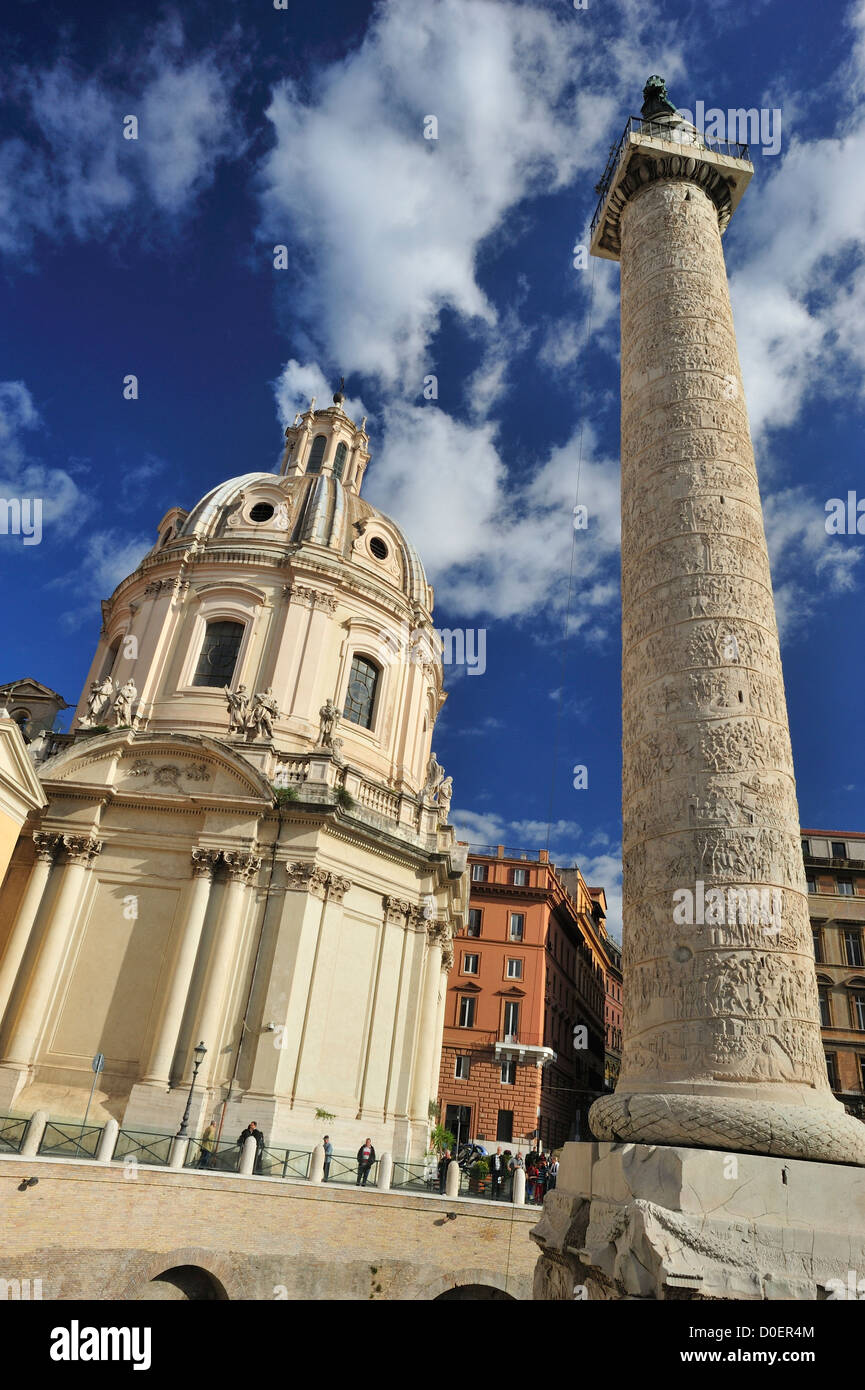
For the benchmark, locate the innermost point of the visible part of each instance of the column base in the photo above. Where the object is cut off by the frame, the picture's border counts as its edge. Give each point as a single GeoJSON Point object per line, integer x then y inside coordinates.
{"type": "Point", "coordinates": [13, 1080]}
{"type": "Point", "coordinates": [151, 1106]}
{"type": "Point", "coordinates": [821, 1132]}
{"type": "Point", "coordinates": [629, 1221]}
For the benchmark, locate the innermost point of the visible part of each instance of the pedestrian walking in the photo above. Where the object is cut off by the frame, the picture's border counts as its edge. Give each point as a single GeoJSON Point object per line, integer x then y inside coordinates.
{"type": "Point", "coordinates": [253, 1130]}
{"type": "Point", "coordinates": [543, 1170]}
{"type": "Point", "coordinates": [208, 1145]}
{"type": "Point", "coordinates": [498, 1170]}
{"type": "Point", "coordinates": [531, 1181]}
{"type": "Point", "coordinates": [365, 1160]}
{"type": "Point", "coordinates": [328, 1156]}
{"type": "Point", "coordinates": [444, 1163]}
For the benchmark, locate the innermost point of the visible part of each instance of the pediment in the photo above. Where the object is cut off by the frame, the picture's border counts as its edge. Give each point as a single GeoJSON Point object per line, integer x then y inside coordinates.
{"type": "Point", "coordinates": [180, 766]}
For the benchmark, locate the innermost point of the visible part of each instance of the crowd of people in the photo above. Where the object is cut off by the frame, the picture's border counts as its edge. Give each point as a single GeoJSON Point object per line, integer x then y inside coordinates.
{"type": "Point", "coordinates": [541, 1169]}
{"type": "Point", "coordinates": [541, 1172]}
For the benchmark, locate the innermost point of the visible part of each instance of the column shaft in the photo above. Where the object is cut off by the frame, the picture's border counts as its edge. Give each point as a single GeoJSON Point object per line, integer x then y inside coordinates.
{"type": "Point", "coordinates": [24, 921]}
{"type": "Point", "coordinates": [165, 1043]}
{"type": "Point", "coordinates": [31, 1020]}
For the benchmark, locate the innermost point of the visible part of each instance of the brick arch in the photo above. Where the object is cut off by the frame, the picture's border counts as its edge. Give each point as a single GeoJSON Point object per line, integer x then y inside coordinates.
{"type": "Point", "coordinates": [491, 1279]}
{"type": "Point", "coordinates": [220, 1269]}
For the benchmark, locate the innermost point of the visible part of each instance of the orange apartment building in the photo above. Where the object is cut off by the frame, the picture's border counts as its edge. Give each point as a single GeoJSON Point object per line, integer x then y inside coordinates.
{"type": "Point", "coordinates": [835, 875]}
{"type": "Point", "coordinates": [529, 969]}
{"type": "Point", "coordinates": [613, 1014]}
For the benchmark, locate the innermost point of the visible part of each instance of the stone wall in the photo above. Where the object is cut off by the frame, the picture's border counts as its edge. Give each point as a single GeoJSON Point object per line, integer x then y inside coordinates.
{"type": "Point", "coordinates": [89, 1232]}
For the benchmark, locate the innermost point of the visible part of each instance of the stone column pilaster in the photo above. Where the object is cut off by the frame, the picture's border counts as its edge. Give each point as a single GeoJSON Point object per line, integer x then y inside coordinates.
{"type": "Point", "coordinates": [420, 1091]}
{"type": "Point", "coordinates": [81, 851]}
{"type": "Point", "coordinates": [165, 1043]}
{"type": "Point", "coordinates": [242, 869]}
{"type": "Point", "coordinates": [46, 849]}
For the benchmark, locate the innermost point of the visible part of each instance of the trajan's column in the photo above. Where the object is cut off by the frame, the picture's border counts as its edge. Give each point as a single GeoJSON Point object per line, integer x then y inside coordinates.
{"type": "Point", "coordinates": [722, 1043]}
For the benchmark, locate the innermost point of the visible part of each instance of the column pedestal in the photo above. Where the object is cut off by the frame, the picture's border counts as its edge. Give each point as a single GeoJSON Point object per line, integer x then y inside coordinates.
{"type": "Point", "coordinates": [629, 1221]}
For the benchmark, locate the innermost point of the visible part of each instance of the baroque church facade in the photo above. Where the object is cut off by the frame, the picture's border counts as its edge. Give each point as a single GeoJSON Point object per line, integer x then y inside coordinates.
{"type": "Point", "coordinates": [246, 839]}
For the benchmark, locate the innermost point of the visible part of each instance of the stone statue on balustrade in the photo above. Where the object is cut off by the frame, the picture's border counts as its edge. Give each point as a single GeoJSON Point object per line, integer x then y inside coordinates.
{"type": "Point", "coordinates": [329, 716]}
{"type": "Point", "coordinates": [434, 777]}
{"type": "Point", "coordinates": [124, 699]}
{"type": "Point", "coordinates": [99, 702]}
{"type": "Point", "coordinates": [259, 720]}
{"type": "Point", "coordinates": [238, 709]}
{"type": "Point", "coordinates": [443, 800]}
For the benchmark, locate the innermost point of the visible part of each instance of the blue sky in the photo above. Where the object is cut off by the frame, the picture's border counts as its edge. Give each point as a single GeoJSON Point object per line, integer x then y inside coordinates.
{"type": "Point", "coordinates": [304, 127]}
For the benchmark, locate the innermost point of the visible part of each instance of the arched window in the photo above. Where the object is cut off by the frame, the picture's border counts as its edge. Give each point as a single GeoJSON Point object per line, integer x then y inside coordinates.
{"type": "Point", "coordinates": [339, 460]}
{"type": "Point", "coordinates": [167, 537]}
{"type": "Point", "coordinates": [316, 454]}
{"type": "Point", "coordinates": [218, 656]}
{"type": "Point", "coordinates": [825, 1006]}
{"type": "Point", "coordinates": [360, 694]}
{"type": "Point", "coordinates": [110, 659]}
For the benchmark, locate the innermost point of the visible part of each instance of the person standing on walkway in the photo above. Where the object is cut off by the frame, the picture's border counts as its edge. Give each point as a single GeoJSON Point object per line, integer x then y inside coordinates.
{"type": "Point", "coordinates": [253, 1130]}
{"type": "Point", "coordinates": [208, 1145]}
{"type": "Point", "coordinates": [328, 1156]}
{"type": "Point", "coordinates": [444, 1163]}
{"type": "Point", "coordinates": [552, 1174]}
{"type": "Point", "coordinates": [497, 1172]}
{"type": "Point", "coordinates": [365, 1160]}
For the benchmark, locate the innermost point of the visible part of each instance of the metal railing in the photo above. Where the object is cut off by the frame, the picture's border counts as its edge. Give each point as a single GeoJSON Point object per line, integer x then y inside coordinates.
{"type": "Point", "coordinates": [12, 1133]}
{"type": "Point", "coordinates": [343, 1169]}
{"type": "Point", "coordinates": [415, 1177]}
{"type": "Point", "coordinates": [143, 1147]}
{"type": "Point", "coordinates": [70, 1141]}
{"type": "Point", "coordinates": [683, 134]}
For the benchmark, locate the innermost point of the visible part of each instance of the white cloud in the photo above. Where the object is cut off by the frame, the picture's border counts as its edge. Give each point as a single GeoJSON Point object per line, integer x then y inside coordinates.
{"type": "Point", "coordinates": [80, 176]}
{"type": "Point", "coordinates": [391, 224]}
{"type": "Point", "coordinates": [799, 288]}
{"type": "Point", "coordinates": [493, 543]}
{"type": "Point", "coordinates": [22, 476]}
{"type": "Point", "coordinates": [806, 561]}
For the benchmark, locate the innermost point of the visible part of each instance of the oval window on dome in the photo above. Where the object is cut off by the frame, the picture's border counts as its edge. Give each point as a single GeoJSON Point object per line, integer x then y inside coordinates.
{"type": "Point", "coordinates": [378, 548]}
{"type": "Point", "coordinates": [316, 454]}
{"type": "Point", "coordinates": [262, 511]}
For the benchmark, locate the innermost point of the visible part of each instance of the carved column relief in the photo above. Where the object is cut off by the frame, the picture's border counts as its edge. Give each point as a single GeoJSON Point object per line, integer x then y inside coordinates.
{"type": "Point", "coordinates": [722, 1043]}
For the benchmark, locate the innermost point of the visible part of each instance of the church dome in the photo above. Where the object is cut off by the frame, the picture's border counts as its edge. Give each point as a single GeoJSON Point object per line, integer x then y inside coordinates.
{"type": "Point", "coordinates": [314, 509]}
{"type": "Point", "coordinates": [291, 590]}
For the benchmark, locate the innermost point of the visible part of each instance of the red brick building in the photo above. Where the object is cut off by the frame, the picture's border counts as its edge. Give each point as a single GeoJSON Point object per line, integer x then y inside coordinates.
{"type": "Point", "coordinates": [835, 875]}
{"type": "Point", "coordinates": [528, 971]}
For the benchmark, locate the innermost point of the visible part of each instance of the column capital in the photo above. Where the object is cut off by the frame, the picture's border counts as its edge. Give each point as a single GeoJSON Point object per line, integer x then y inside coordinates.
{"type": "Point", "coordinates": [240, 865]}
{"type": "Point", "coordinates": [81, 849]}
{"type": "Point", "coordinates": [46, 845]}
{"type": "Point", "coordinates": [396, 909]}
{"type": "Point", "coordinates": [312, 878]}
{"type": "Point", "coordinates": [447, 956]}
{"type": "Point", "coordinates": [438, 933]}
{"type": "Point", "coordinates": [204, 862]}
{"type": "Point", "coordinates": [337, 887]}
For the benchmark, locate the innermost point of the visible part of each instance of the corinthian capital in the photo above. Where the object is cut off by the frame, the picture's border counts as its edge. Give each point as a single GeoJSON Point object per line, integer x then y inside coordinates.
{"type": "Point", "coordinates": [437, 933]}
{"type": "Point", "coordinates": [241, 867]}
{"type": "Point", "coordinates": [46, 846]}
{"type": "Point", "coordinates": [204, 862]}
{"type": "Point", "coordinates": [396, 909]}
{"type": "Point", "coordinates": [337, 887]}
{"type": "Point", "coordinates": [81, 849]}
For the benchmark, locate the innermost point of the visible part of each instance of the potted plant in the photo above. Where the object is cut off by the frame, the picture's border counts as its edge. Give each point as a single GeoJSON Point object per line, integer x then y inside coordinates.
{"type": "Point", "coordinates": [479, 1176]}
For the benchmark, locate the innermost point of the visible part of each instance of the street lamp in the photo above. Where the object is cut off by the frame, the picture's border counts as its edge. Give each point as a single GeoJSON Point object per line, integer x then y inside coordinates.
{"type": "Point", "coordinates": [198, 1054]}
